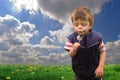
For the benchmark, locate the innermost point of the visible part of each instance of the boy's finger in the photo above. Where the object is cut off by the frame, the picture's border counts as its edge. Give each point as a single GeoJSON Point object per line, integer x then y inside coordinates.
{"type": "Point", "coordinates": [98, 75]}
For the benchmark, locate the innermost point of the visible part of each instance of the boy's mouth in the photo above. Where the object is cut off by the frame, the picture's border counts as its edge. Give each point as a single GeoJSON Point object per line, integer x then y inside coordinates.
{"type": "Point", "coordinates": [80, 32]}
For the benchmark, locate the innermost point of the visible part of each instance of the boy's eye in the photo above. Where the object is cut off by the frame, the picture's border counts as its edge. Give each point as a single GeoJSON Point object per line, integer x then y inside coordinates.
{"type": "Point", "coordinates": [76, 24]}
{"type": "Point", "coordinates": [83, 24]}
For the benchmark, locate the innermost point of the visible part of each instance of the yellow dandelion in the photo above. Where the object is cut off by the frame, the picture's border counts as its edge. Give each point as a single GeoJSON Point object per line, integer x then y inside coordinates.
{"type": "Point", "coordinates": [32, 72]}
{"type": "Point", "coordinates": [17, 70]}
{"type": "Point", "coordinates": [8, 78]}
{"type": "Point", "coordinates": [62, 77]}
{"type": "Point", "coordinates": [45, 69]}
{"type": "Point", "coordinates": [12, 72]}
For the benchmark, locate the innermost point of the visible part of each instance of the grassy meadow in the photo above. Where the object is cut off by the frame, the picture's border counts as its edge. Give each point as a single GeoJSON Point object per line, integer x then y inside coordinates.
{"type": "Point", "coordinates": [51, 72]}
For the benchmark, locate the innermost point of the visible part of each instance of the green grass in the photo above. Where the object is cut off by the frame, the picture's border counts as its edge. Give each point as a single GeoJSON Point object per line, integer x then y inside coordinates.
{"type": "Point", "coordinates": [112, 72]}
{"type": "Point", "coordinates": [53, 72]}
{"type": "Point", "coordinates": [35, 72]}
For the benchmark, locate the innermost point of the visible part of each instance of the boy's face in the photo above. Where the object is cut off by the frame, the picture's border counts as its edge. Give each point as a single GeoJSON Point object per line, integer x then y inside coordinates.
{"type": "Point", "coordinates": [81, 27]}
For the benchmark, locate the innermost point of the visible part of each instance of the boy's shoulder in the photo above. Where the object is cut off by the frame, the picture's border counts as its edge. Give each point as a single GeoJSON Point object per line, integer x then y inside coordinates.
{"type": "Point", "coordinates": [72, 36]}
{"type": "Point", "coordinates": [97, 34]}
{"type": "Point", "coordinates": [93, 38]}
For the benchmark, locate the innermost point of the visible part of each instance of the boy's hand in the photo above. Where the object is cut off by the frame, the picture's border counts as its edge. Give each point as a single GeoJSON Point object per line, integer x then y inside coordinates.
{"type": "Point", "coordinates": [76, 45]}
{"type": "Point", "coordinates": [73, 51]}
{"type": "Point", "coordinates": [99, 72]}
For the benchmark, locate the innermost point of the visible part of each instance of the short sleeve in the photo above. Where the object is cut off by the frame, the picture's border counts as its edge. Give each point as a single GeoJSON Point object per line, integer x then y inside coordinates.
{"type": "Point", "coordinates": [102, 47]}
{"type": "Point", "coordinates": [69, 43]}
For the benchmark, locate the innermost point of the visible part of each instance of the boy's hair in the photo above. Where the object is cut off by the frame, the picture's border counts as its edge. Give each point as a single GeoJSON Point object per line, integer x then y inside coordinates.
{"type": "Point", "coordinates": [84, 14]}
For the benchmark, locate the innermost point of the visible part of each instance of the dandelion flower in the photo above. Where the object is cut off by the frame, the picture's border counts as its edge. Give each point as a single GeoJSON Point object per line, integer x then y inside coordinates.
{"type": "Point", "coordinates": [8, 78]}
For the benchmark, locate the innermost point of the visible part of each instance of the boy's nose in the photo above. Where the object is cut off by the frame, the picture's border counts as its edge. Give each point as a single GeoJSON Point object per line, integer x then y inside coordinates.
{"type": "Point", "coordinates": [80, 27]}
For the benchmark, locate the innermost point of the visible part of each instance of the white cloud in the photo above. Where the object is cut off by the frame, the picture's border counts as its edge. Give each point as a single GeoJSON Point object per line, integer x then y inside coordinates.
{"type": "Point", "coordinates": [117, 43]}
{"type": "Point", "coordinates": [36, 32]}
{"type": "Point", "coordinates": [62, 34]}
{"type": "Point", "coordinates": [61, 9]}
{"type": "Point", "coordinates": [24, 32]}
{"type": "Point", "coordinates": [3, 46]}
{"type": "Point", "coordinates": [12, 29]}
{"type": "Point", "coordinates": [15, 46]}
{"type": "Point", "coordinates": [57, 9]}
{"type": "Point", "coordinates": [55, 58]}
{"type": "Point", "coordinates": [15, 36]}
{"type": "Point", "coordinates": [46, 41]}
{"type": "Point", "coordinates": [8, 22]}
{"type": "Point", "coordinates": [113, 50]}
{"type": "Point", "coordinates": [30, 5]}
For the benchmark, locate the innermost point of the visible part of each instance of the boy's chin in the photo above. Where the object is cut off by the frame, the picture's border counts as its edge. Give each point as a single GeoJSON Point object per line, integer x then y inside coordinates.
{"type": "Point", "coordinates": [81, 33]}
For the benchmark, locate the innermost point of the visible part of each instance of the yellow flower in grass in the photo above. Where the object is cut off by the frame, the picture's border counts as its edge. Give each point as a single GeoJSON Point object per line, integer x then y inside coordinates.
{"type": "Point", "coordinates": [12, 72]}
{"type": "Point", "coordinates": [8, 78]}
{"type": "Point", "coordinates": [17, 70]}
{"type": "Point", "coordinates": [32, 72]}
{"type": "Point", "coordinates": [62, 77]}
{"type": "Point", "coordinates": [45, 69]}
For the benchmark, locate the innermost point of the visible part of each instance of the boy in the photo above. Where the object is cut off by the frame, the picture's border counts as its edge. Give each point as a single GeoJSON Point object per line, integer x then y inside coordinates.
{"type": "Point", "coordinates": [85, 47]}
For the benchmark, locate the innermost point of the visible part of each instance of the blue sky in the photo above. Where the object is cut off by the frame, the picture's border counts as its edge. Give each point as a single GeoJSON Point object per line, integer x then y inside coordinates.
{"type": "Point", "coordinates": [107, 22]}
{"type": "Point", "coordinates": [36, 32]}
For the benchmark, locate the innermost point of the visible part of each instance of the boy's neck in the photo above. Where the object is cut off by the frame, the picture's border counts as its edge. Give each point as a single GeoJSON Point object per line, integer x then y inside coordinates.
{"type": "Point", "coordinates": [88, 32]}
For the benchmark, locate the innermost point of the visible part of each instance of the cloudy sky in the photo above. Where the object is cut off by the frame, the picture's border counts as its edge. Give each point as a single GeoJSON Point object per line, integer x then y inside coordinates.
{"type": "Point", "coordinates": [35, 31]}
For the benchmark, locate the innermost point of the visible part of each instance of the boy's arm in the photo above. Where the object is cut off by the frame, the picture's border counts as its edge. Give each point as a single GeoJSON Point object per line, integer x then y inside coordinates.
{"type": "Point", "coordinates": [71, 48]}
{"type": "Point", "coordinates": [102, 59]}
{"type": "Point", "coordinates": [99, 70]}
{"type": "Point", "coordinates": [102, 54]}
